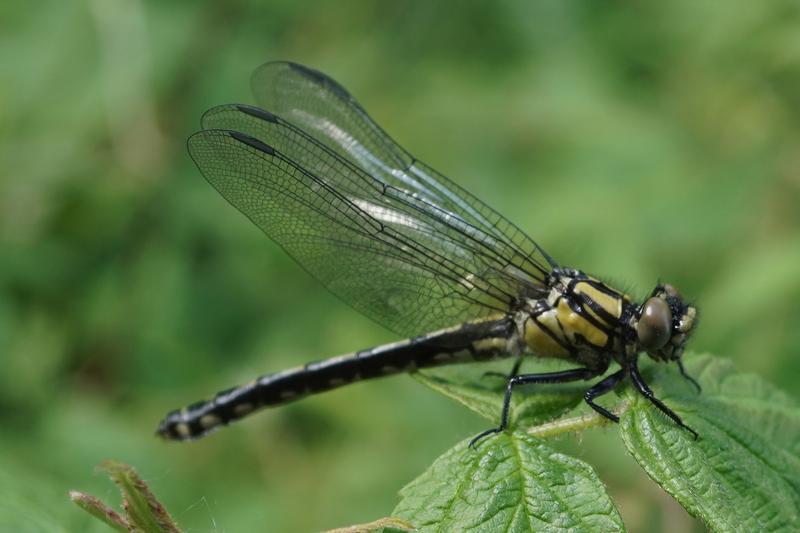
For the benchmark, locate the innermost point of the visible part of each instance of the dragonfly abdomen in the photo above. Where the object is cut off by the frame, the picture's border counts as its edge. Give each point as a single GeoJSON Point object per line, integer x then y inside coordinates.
{"type": "Point", "coordinates": [472, 341]}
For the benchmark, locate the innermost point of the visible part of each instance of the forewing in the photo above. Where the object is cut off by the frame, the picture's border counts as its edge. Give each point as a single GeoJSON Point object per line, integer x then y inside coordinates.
{"type": "Point", "coordinates": [387, 258]}
{"type": "Point", "coordinates": [384, 232]}
{"type": "Point", "coordinates": [320, 106]}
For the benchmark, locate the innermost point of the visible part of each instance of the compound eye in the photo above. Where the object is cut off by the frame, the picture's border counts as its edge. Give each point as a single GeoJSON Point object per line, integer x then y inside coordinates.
{"type": "Point", "coordinates": [655, 324]}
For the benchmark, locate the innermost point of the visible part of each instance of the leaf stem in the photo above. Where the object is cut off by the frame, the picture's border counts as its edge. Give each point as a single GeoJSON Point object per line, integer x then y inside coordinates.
{"type": "Point", "coordinates": [574, 423]}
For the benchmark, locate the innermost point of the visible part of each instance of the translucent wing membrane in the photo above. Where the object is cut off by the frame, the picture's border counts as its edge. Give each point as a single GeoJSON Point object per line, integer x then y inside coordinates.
{"type": "Point", "coordinates": [399, 243]}
{"type": "Point", "coordinates": [320, 106]}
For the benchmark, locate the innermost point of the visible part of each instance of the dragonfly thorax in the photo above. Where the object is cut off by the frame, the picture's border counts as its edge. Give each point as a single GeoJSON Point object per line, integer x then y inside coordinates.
{"type": "Point", "coordinates": [581, 319]}
{"type": "Point", "coordinates": [585, 320]}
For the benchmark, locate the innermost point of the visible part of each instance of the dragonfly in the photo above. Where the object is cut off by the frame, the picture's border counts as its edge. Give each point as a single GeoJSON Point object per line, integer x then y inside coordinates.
{"type": "Point", "coordinates": [414, 251]}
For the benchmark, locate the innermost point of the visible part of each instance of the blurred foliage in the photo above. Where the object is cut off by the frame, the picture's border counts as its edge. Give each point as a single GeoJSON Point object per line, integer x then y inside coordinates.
{"type": "Point", "coordinates": [659, 139]}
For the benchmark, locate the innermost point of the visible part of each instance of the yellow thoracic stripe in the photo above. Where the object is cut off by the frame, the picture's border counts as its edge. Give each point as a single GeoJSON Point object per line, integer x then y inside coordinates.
{"type": "Point", "coordinates": [555, 332]}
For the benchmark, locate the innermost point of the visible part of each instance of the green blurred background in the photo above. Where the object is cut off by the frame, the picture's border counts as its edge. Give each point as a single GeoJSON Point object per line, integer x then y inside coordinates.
{"type": "Point", "coordinates": [657, 141]}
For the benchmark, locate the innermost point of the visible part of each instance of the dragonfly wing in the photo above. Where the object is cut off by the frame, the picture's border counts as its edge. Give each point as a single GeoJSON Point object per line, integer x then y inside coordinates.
{"type": "Point", "coordinates": [397, 241]}
{"type": "Point", "coordinates": [355, 239]}
{"type": "Point", "coordinates": [323, 108]}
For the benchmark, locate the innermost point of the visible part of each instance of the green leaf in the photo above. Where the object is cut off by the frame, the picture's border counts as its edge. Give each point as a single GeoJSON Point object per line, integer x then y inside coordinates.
{"type": "Point", "coordinates": [469, 385]}
{"type": "Point", "coordinates": [743, 473]}
{"type": "Point", "coordinates": [510, 482]}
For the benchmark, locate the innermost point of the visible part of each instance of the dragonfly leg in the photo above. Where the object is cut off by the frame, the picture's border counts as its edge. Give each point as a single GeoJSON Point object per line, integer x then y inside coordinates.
{"type": "Point", "coordinates": [602, 388]}
{"type": "Point", "coordinates": [642, 387]}
{"type": "Point", "coordinates": [576, 374]}
{"type": "Point", "coordinates": [690, 378]}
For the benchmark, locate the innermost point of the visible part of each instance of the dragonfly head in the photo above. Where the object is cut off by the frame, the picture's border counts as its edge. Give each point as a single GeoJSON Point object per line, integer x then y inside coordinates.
{"type": "Point", "coordinates": [664, 322]}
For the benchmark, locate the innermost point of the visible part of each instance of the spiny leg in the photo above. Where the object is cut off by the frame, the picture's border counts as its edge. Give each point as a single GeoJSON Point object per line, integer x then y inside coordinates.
{"type": "Point", "coordinates": [687, 376]}
{"type": "Point", "coordinates": [564, 376]}
{"type": "Point", "coordinates": [642, 387]}
{"type": "Point", "coordinates": [602, 388]}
